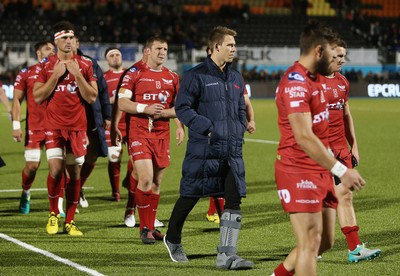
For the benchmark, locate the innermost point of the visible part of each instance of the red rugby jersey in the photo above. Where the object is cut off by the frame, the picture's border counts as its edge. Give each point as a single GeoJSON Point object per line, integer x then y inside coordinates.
{"type": "Point", "coordinates": [150, 86]}
{"type": "Point", "coordinates": [300, 92]}
{"type": "Point", "coordinates": [336, 93]}
{"type": "Point", "coordinates": [35, 113]}
{"type": "Point", "coordinates": [65, 107]}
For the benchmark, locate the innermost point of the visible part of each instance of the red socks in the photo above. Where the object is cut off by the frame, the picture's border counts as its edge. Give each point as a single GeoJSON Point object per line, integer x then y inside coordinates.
{"type": "Point", "coordinates": [154, 199]}
{"type": "Point", "coordinates": [211, 208]}
{"type": "Point", "coordinates": [281, 271]}
{"type": "Point", "coordinates": [27, 180]}
{"type": "Point", "coordinates": [219, 204]}
{"type": "Point", "coordinates": [131, 193]}
{"type": "Point", "coordinates": [52, 190]}
{"type": "Point", "coordinates": [351, 233]}
{"type": "Point", "coordinates": [216, 206]}
{"type": "Point", "coordinates": [72, 195]}
{"type": "Point", "coordinates": [143, 200]}
{"type": "Point", "coordinates": [114, 169]}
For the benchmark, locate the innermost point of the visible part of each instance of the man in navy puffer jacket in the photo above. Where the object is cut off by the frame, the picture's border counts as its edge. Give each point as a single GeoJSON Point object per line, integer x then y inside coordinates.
{"type": "Point", "coordinates": [211, 104]}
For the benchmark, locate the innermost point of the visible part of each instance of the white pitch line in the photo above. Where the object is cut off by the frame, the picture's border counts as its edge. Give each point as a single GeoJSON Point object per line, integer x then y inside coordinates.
{"type": "Point", "coordinates": [261, 141]}
{"type": "Point", "coordinates": [51, 255]}
{"type": "Point", "coordinates": [34, 189]}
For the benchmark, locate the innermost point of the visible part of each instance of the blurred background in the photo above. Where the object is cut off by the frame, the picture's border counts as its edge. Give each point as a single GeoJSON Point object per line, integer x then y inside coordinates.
{"type": "Point", "coordinates": [267, 40]}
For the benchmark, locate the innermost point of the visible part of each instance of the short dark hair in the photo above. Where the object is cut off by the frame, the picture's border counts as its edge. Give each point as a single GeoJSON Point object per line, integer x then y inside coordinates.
{"type": "Point", "coordinates": [42, 43]}
{"type": "Point", "coordinates": [341, 43]}
{"type": "Point", "coordinates": [149, 42]}
{"type": "Point", "coordinates": [109, 49]}
{"type": "Point", "coordinates": [218, 34]}
{"type": "Point", "coordinates": [316, 33]}
{"type": "Point", "coordinates": [63, 26]}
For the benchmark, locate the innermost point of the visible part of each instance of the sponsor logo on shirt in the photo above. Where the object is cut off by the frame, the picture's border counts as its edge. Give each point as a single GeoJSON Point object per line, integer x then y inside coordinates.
{"type": "Point", "coordinates": [18, 79]}
{"type": "Point", "coordinates": [296, 94]}
{"type": "Point", "coordinates": [294, 76]}
{"type": "Point", "coordinates": [146, 79]}
{"type": "Point", "coordinates": [342, 87]}
{"type": "Point", "coordinates": [125, 79]}
{"type": "Point", "coordinates": [133, 69]}
{"type": "Point", "coordinates": [296, 103]}
{"type": "Point", "coordinates": [305, 185]}
{"type": "Point", "coordinates": [167, 82]}
{"type": "Point", "coordinates": [320, 117]}
{"type": "Point", "coordinates": [284, 195]}
{"type": "Point", "coordinates": [71, 88]}
{"type": "Point", "coordinates": [163, 96]}
{"type": "Point", "coordinates": [339, 105]}
{"type": "Point", "coordinates": [307, 201]}
{"type": "Point", "coordinates": [135, 144]}
{"type": "Point", "coordinates": [212, 84]}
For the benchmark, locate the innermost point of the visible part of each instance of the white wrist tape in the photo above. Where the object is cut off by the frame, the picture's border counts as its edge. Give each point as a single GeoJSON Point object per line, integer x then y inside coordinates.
{"type": "Point", "coordinates": [16, 125]}
{"type": "Point", "coordinates": [338, 169]}
{"type": "Point", "coordinates": [140, 107]}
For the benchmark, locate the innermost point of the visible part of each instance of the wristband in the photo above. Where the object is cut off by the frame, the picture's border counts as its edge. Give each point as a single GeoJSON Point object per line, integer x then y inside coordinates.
{"type": "Point", "coordinates": [16, 125]}
{"type": "Point", "coordinates": [338, 169]}
{"type": "Point", "coordinates": [140, 107]}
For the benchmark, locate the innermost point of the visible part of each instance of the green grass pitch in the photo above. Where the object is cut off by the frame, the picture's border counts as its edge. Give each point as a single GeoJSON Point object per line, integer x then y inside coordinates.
{"type": "Point", "coordinates": [266, 237]}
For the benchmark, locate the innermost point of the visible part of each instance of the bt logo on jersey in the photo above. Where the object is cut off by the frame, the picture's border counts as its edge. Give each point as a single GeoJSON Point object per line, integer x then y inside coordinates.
{"type": "Point", "coordinates": [162, 96]}
{"type": "Point", "coordinates": [321, 117]}
{"type": "Point", "coordinates": [71, 88]}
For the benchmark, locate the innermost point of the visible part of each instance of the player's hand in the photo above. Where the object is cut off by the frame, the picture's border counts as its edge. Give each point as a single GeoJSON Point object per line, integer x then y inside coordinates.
{"type": "Point", "coordinates": [107, 124]}
{"type": "Point", "coordinates": [17, 135]}
{"type": "Point", "coordinates": [251, 127]}
{"type": "Point", "coordinates": [353, 180]}
{"type": "Point", "coordinates": [59, 69]}
{"type": "Point", "coordinates": [355, 158]}
{"type": "Point", "coordinates": [73, 67]}
{"type": "Point", "coordinates": [154, 109]}
{"type": "Point", "coordinates": [180, 135]}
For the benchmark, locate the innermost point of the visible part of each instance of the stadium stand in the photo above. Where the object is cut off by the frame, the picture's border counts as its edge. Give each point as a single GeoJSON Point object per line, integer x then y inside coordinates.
{"type": "Point", "coordinates": [272, 23]}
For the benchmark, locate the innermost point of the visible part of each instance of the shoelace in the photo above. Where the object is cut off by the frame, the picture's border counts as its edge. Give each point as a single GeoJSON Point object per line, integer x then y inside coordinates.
{"type": "Point", "coordinates": [53, 221]}
{"type": "Point", "coordinates": [179, 249]}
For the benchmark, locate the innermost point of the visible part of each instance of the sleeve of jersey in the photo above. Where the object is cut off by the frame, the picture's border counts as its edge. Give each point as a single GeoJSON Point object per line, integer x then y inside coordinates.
{"type": "Point", "coordinates": [347, 91]}
{"type": "Point", "coordinates": [20, 82]}
{"type": "Point", "coordinates": [126, 88]}
{"type": "Point", "coordinates": [91, 75]}
{"type": "Point", "coordinates": [176, 84]}
{"type": "Point", "coordinates": [41, 77]}
{"type": "Point", "coordinates": [295, 96]}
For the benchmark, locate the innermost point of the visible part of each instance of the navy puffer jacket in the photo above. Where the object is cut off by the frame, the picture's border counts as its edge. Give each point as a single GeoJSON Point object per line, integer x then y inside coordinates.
{"type": "Point", "coordinates": [100, 110]}
{"type": "Point", "coordinates": [210, 101]}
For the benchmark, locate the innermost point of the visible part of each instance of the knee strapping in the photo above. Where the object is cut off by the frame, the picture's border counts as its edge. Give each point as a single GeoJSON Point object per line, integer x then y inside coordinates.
{"type": "Point", "coordinates": [56, 153]}
{"type": "Point", "coordinates": [114, 154]}
{"type": "Point", "coordinates": [32, 155]}
{"type": "Point", "coordinates": [72, 160]}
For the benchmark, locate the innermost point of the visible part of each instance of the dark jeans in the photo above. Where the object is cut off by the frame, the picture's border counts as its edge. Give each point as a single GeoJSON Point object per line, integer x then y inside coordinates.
{"type": "Point", "coordinates": [184, 206]}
